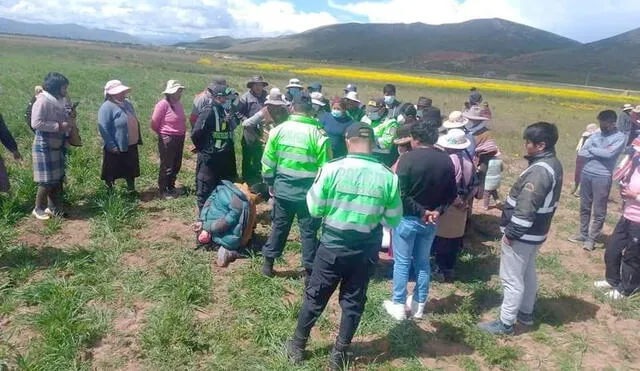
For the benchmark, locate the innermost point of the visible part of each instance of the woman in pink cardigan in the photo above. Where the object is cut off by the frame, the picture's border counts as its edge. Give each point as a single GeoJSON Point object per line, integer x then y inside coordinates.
{"type": "Point", "coordinates": [169, 122]}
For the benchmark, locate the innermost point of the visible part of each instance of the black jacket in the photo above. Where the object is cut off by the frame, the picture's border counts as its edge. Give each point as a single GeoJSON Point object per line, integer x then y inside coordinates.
{"type": "Point", "coordinates": [6, 138]}
{"type": "Point", "coordinates": [533, 200]}
{"type": "Point", "coordinates": [212, 133]}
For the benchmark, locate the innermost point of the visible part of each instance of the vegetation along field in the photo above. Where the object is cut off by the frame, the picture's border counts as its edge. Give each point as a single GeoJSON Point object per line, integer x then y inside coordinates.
{"type": "Point", "coordinates": [119, 285]}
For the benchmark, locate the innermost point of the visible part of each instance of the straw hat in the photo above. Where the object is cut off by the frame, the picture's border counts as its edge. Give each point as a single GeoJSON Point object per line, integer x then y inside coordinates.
{"type": "Point", "coordinates": [275, 98]}
{"type": "Point", "coordinates": [115, 87]}
{"type": "Point", "coordinates": [172, 87]}
{"type": "Point", "coordinates": [454, 139]}
{"type": "Point", "coordinates": [476, 113]}
{"type": "Point", "coordinates": [456, 120]}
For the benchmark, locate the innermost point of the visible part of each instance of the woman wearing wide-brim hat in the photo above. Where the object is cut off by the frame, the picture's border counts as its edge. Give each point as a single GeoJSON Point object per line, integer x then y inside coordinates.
{"type": "Point", "coordinates": [170, 123]}
{"type": "Point", "coordinates": [449, 237]}
{"type": "Point", "coordinates": [120, 131]}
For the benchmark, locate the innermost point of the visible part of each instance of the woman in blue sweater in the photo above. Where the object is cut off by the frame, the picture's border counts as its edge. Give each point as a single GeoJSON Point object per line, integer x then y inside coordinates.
{"type": "Point", "coordinates": [335, 123]}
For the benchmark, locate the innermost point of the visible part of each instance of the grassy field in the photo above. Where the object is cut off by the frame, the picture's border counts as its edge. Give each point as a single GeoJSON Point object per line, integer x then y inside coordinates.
{"type": "Point", "coordinates": [119, 286]}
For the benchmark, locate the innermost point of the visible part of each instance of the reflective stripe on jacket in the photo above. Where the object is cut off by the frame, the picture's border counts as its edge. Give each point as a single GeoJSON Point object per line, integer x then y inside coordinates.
{"type": "Point", "coordinates": [533, 200]}
{"type": "Point", "coordinates": [294, 152]}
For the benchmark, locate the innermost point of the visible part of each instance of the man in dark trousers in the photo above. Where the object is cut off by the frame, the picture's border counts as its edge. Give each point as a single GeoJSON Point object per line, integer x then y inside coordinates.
{"type": "Point", "coordinates": [601, 153]}
{"type": "Point", "coordinates": [293, 154]}
{"type": "Point", "coordinates": [249, 103]}
{"type": "Point", "coordinates": [525, 222]}
{"type": "Point", "coordinates": [212, 136]}
{"type": "Point", "coordinates": [353, 195]}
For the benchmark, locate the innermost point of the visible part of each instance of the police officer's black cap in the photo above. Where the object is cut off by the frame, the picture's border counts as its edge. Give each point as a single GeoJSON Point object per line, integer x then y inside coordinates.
{"type": "Point", "coordinates": [359, 130]}
{"type": "Point", "coordinates": [315, 86]}
{"type": "Point", "coordinates": [220, 90]}
{"type": "Point", "coordinates": [219, 80]}
{"type": "Point", "coordinates": [302, 102]}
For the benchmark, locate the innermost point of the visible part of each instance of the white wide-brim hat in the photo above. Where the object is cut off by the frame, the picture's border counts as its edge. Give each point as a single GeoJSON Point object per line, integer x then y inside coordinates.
{"type": "Point", "coordinates": [454, 139]}
{"type": "Point", "coordinates": [455, 121]}
{"type": "Point", "coordinates": [115, 87]}
{"type": "Point", "coordinates": [172, 87]}
{"type": "Point", "coordinates": [316, 98]}
{"type": "Point", "coordinates": [295, 83]}
{"type": "Point", "coordinates": [352, 96]}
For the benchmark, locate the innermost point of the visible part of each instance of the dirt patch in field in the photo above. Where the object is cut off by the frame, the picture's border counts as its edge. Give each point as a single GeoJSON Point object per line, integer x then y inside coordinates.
{"type": "Point", "coordinates": [165, 228]}
{"type": "Point", "coordinates": [71, 232]}
{"type": "Point", "coordinates": [120, 348]}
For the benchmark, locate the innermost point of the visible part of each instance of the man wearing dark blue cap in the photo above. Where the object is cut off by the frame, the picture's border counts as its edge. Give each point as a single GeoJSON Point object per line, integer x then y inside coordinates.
{"type": "Point", "coordinates": [212, 137]}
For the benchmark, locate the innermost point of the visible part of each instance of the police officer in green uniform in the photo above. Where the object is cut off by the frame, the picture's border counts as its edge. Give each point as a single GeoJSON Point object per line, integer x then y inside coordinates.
{"type": "Point", "coordinates": [353, 195]}
{"type": "Point", "coordinates": [294, 152]}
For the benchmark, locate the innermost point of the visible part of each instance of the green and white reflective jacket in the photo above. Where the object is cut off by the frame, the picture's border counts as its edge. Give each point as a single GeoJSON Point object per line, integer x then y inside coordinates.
{"type": "Point", "coordinates": [294, 152]}
{"type": "Point", "coordinates": [384, 131]}
{"type": "Point", "coordinates": [355, 195]}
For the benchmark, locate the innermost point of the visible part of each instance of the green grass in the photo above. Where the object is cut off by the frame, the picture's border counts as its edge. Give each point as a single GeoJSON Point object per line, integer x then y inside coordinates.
{"type": "Point", "coordinates": [138, 286]}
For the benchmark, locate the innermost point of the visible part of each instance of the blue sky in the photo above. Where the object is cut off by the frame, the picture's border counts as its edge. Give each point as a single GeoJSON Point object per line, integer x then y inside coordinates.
{"type": "Point", "coordinates": [582, 20]}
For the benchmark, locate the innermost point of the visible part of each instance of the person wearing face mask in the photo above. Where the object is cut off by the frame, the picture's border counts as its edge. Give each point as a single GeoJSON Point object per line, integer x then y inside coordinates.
{"type": "Point", "coordinates": [295, 151]}
{"type": "Point", "coordinates": [294, 88]}
{"type": "Point", "coordinates": [335, 123]}
{"type": "Point", "coordinates": [423, 104]}
{"type": "Point", "coordinates": [384, 128]}
{"type": "Point", "coordinates": [120, 131]}
{"type": "Point", "coordinates": [392, 104]}
{"type": "Point", "coordinates": [213, 138]}
{"type": "Point", "coordinates": [408, 115]}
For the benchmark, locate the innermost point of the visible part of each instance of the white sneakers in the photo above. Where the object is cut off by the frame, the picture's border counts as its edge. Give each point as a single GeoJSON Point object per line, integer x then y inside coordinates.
{"type": "Point", "coordinates": [416, 309]}
{"type": "Point", "coordinates": [614, 295]}
{"type": "Point", "coordinates": [396, 311]}
{"type": "Point", "coordinates": [604, 284]}
{"type": "Point", "coordinates": [399, 311]}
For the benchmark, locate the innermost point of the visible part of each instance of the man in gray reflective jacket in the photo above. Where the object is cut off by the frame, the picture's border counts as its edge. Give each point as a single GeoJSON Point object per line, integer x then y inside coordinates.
{"type": "Point", "coordinates": [526, 220]}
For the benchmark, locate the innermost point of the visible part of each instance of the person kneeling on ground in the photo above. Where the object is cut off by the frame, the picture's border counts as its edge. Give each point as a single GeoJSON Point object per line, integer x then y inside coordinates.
{"type": "Point", "coordinates": [526, 220]}
{"type": "Point", "coordinates": [622, 254]}
{"type": "Point", "coordinates": [353, 195]}
{"type": "Point", "coordinates": [227, 219]}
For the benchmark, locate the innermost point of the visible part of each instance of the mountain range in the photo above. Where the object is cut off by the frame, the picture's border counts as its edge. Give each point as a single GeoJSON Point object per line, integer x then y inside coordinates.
{"type": "Point", "coordinates": [485, 47]}
{"type": "Point", "coordinates": [65, 31]}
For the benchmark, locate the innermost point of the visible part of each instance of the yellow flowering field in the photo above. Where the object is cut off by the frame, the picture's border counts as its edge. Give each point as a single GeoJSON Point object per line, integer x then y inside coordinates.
{"type": "Point", "coordinates": [506, 87]}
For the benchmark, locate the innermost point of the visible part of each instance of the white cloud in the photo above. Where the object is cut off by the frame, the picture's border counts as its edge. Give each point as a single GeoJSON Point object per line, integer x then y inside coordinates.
{"type": "Point", "coordinates": [430, 11]}
{"type": "Point", "coordinates": [174, 19]}
{"type": "Point", "coordinates": [578, 19]}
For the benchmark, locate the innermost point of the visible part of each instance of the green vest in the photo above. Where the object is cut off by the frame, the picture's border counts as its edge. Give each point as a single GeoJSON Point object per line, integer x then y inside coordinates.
{"type": "Point", "coordinates": [384, 131]}
{"type": "Point", "coordinates": [354, 195]}
{"type": "Point", "coordinates": [294, 152]}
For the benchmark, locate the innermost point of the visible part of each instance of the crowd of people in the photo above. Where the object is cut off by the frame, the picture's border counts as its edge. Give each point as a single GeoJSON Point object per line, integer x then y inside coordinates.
{"type": "Point", "coordinates": [360, 173]}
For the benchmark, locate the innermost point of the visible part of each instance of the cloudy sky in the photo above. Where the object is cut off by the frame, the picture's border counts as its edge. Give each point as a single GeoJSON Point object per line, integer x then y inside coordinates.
{"type": "Point", "coordinates": [582, 20]}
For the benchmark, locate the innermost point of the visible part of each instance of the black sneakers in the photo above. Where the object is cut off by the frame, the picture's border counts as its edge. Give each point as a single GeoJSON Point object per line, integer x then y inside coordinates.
{"type": "Point", "coordinates": [295, 350]}
{"type": "Point", "coordinates": [267, 267]}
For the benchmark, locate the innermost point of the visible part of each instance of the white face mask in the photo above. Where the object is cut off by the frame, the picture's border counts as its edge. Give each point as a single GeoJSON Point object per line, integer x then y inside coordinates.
{"type": "Point", "coordinates": [401, 120]}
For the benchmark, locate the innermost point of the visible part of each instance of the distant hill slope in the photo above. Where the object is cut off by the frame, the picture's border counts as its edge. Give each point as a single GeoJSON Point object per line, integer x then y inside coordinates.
{"type": "Point", "coordinates": [67, 31]}
{"type": "Point", "coordinates": [389, 43]}
{"type": "Point", "coordinates": [618, 55]}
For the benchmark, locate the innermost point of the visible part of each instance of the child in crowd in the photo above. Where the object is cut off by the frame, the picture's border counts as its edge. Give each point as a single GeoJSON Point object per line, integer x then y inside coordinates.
{"type": "Point", "coordinates": [590, 129]}
{"type": "Point", "coordinates": [492, 181]}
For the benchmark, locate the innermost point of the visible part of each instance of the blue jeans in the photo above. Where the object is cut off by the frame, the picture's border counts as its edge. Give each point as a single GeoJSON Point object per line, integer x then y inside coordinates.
{"type": "Point", "coordinates": [412, 239]}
